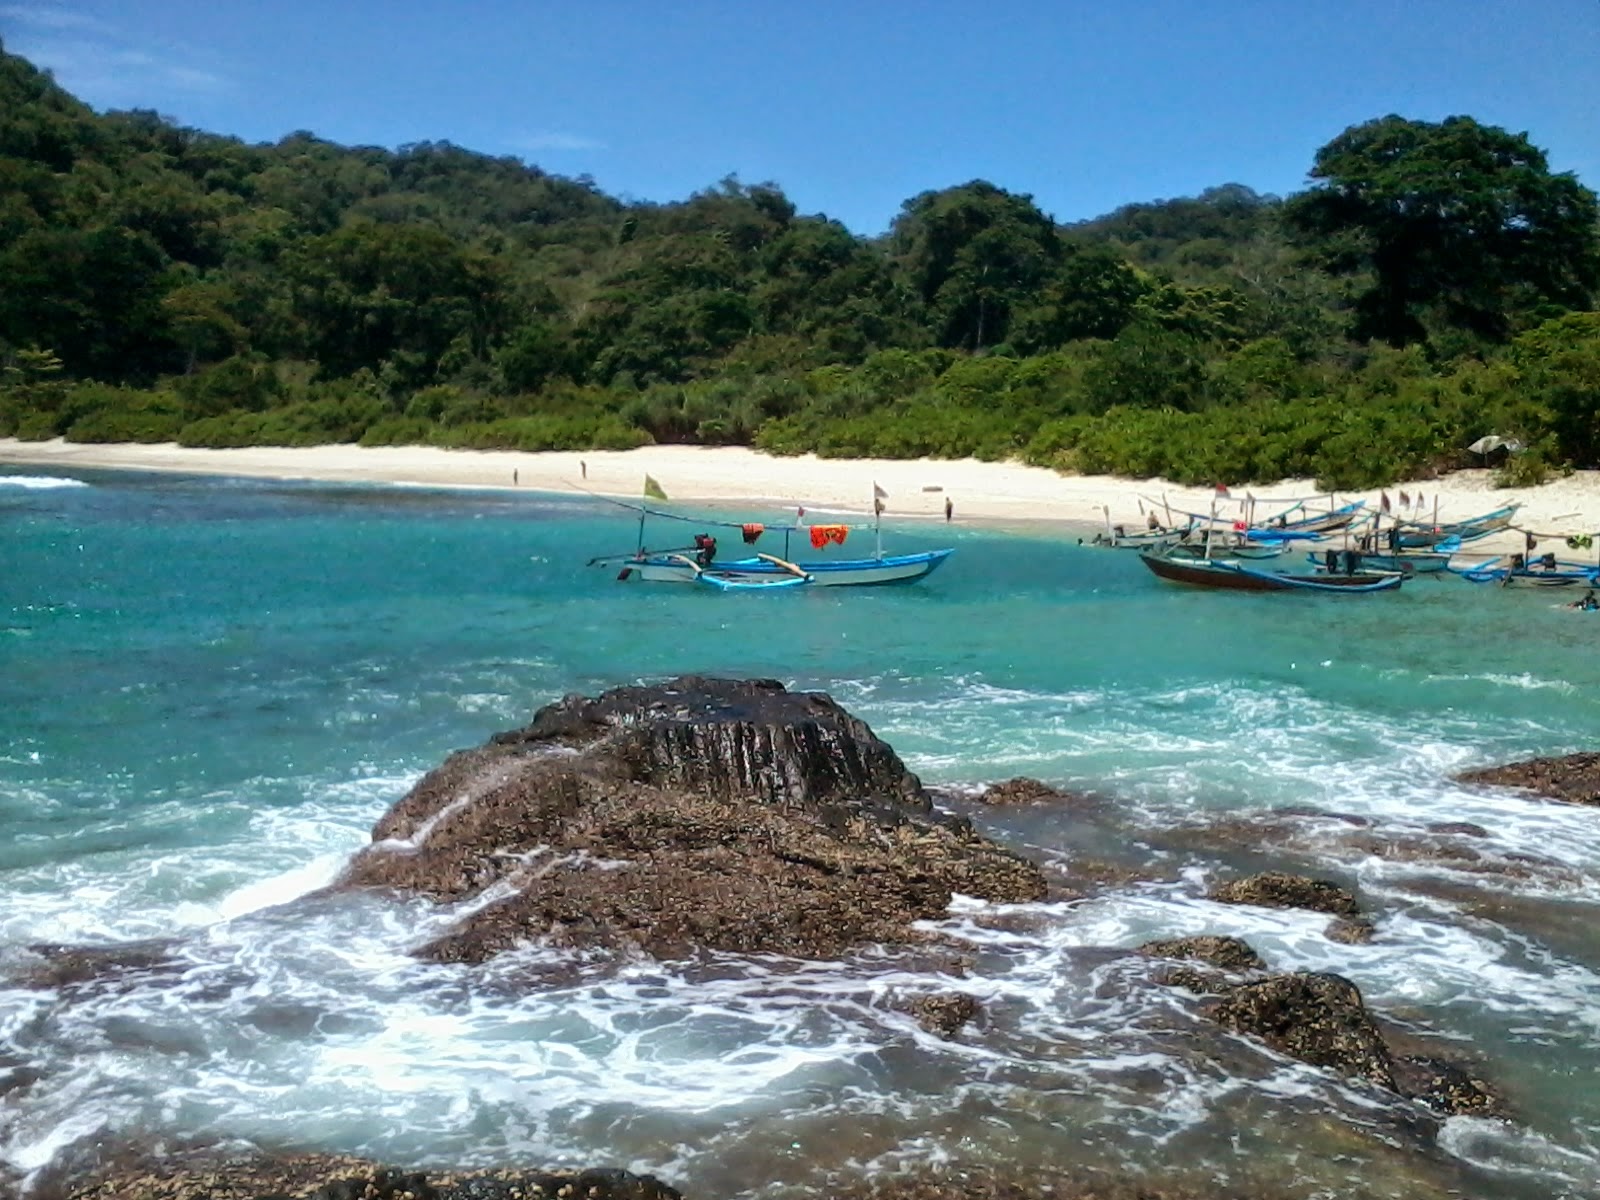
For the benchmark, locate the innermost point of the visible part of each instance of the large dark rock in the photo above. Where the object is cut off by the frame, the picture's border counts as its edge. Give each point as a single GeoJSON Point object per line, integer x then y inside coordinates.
{"type": "Point", "coordinates": [1278, 889]}
{"type": "Point", "coordinates": [1574, 778]}
{"type": "Point", "coordinates": [732, 815]}
{"type": "Point", "coordinates": [1317, 1018]}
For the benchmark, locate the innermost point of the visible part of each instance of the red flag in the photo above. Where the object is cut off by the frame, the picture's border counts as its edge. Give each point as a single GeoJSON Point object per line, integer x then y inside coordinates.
{"type": "Point", "coordinates": [1222, 491]}
{"type": "Point", "coordinates": [1383, 503]}
{"type": "Point", "coordinates": [1405, 500]}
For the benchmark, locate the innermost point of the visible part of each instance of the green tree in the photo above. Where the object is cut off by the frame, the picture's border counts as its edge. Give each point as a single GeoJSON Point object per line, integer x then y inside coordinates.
{"type": "Point", "coordinates": [974, 254]}
{"type": "Point", "coordinates": [1454, 224]}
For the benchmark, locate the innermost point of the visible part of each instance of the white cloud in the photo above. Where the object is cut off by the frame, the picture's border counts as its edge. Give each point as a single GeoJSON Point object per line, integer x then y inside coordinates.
{"type": "Point", "coordinates": [107, 66]}
{"type": "Point", "coordinates": [52, 17]}
{"type": "Point", "coordinates": [556, 141]}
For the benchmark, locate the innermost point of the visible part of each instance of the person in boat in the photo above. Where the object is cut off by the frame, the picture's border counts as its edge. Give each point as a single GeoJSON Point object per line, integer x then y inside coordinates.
{"type": "Point", "coordinates": [705, 549]}
{"type": "Point", "coordinates": [1153, 525]}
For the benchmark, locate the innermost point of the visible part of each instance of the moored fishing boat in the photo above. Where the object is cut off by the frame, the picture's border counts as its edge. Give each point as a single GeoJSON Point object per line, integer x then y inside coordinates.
{"type": "Point", "coordinates": [1240, 577]}
{"type": "Point", "coordinates": [1230, 549]}
{"type": "Point", "coordinates": [759, 572]}
{"type": "Point", "coordinates": [1416, 562]}
{"type": "Point", "coordinates": [1518, 570]}
{"type": "Point", "coordinates": [1328, 522]}
{"type": "Point", "coordinates": [699, 563]}
{"type": "Point", "coordinates": [1117, 538]}
{"type": "Point", "coordinates": [1416, 535]}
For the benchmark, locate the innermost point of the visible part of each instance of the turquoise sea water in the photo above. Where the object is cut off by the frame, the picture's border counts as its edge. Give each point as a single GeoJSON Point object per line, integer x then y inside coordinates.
{"type": "Point", "coordinates": [210, 689]}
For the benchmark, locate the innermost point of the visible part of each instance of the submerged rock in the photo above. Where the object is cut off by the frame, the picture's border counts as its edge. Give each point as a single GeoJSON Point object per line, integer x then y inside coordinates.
{"type": "Point", "coordinates": [123, 964]}
{"type": "Point", "coordinates": [1446, 1087]}
{"type": "Point", "coordinates": [1317, 1018]}
{"type": "Point", "coordinates": [1574, 778]}
{"type": "Point", "coordinates": [1321, 1019]}
{"type": "Point", "coordinates": [1356, 931]}
{"type": "Point", "coordinates": [207, 1175]}
{"type": "Point", "coordinates": [1229, 953]}
{"type": "Point", "coordinates": [1023, 790]}
{"type": "Point", "coordinates": [954, 1182]}
{"type": "Point", "coordinates": [1278, 889]}
{"type": "Point", "coordinates": [700, 813]}
{"type": "Point", "coordinates": [944, 1014]}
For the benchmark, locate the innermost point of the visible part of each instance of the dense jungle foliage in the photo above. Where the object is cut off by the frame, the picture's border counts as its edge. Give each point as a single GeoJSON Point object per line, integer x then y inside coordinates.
{"type": "Point", "coordinates": [1434, 283]}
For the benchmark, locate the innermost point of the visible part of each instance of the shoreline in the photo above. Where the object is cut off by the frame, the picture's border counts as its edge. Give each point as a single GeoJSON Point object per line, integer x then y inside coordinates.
{"type": "Point", "coordinates": [982, 493]}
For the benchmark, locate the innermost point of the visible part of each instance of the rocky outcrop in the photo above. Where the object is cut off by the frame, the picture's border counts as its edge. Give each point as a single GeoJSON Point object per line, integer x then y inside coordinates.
{"type": "Point", "coordinates": [207, 1175]}
{"type": "Point", "coordinates": [1574, 778]}
{"type": "Point", "coordinates": [701, 813]}
{"type": "Point", "coordinates": [1278, 889]}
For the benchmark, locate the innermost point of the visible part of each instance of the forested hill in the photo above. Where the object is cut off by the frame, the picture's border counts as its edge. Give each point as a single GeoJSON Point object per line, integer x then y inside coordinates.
{"type": "Point", "coordinates": [1434, 283]}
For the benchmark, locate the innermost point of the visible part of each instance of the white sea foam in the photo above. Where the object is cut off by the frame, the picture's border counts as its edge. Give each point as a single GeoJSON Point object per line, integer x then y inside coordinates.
{"type": "Point", "coordinates": [1525, 681]}
{"type": "Point", "coordinates": [40, 482]}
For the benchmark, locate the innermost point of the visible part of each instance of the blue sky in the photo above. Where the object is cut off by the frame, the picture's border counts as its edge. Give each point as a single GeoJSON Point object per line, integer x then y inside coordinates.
{"type": "Point", "coordinates": [851, 107]}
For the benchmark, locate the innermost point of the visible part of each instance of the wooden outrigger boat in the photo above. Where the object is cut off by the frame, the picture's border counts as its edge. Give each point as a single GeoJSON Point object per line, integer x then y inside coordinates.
{"type": "Point", "coordinates": [1415, 535]}
{"type": "Point", "coordinates": [1240, 577]}
{"type": "Point", "coordinates": [1230, 548]}
{"type": "Point", "coordinates": [1422, 562]}
{"type": "Point", "coordinates": [1328, 522]}
{"type": "Point", "coordinates": [1518, 570]}
{"type": "Point", "coordinates": [1238, 539]}
{"type": "Point", "coordinates": [700, 564]}
{"type": "Point", "coordinates": [762, 571]}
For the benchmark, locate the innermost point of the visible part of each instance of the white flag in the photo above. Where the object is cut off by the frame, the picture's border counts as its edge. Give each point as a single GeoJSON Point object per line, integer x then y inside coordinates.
{"type": "Point", "coordinates": [877, 492]}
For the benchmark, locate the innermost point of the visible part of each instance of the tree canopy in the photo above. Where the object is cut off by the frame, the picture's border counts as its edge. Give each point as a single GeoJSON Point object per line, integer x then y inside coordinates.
{"type": "Point", "coordinates": [1453, 225]}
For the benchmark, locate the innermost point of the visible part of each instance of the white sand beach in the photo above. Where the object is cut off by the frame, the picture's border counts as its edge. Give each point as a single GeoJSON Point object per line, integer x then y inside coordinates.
{"type": "Point", "coordinates": [981, 492]}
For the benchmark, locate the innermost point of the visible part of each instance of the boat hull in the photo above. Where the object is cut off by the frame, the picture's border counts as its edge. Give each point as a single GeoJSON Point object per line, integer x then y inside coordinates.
{"type": "Point", "coordinates": [1234, 576]}
{"type": "Point", "coordinates": [1533, 576]}
{"type": "Point", "coordinates": [1406, 564]}
{"type": "Point", "coordinates": [857, 572]}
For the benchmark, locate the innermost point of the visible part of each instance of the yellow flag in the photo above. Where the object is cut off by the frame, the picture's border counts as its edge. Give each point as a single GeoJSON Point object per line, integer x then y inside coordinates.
{"type": "Point", "coordinates": [652, 489]}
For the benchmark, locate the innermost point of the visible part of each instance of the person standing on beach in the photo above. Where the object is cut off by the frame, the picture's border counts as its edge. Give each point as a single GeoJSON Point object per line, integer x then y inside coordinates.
{"type": "Point", "coordinates": [583, 467]}
{"type": "Point", "coordinates": [516, 477]}
{"type": "Point", "coordinates": [949, 508]}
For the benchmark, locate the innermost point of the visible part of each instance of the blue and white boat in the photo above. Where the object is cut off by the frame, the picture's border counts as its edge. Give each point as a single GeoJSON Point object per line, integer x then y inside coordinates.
{"type": "Point", "coordinates": [700, 563]}
{"type": "Point", "coordinates": [764, 571]}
